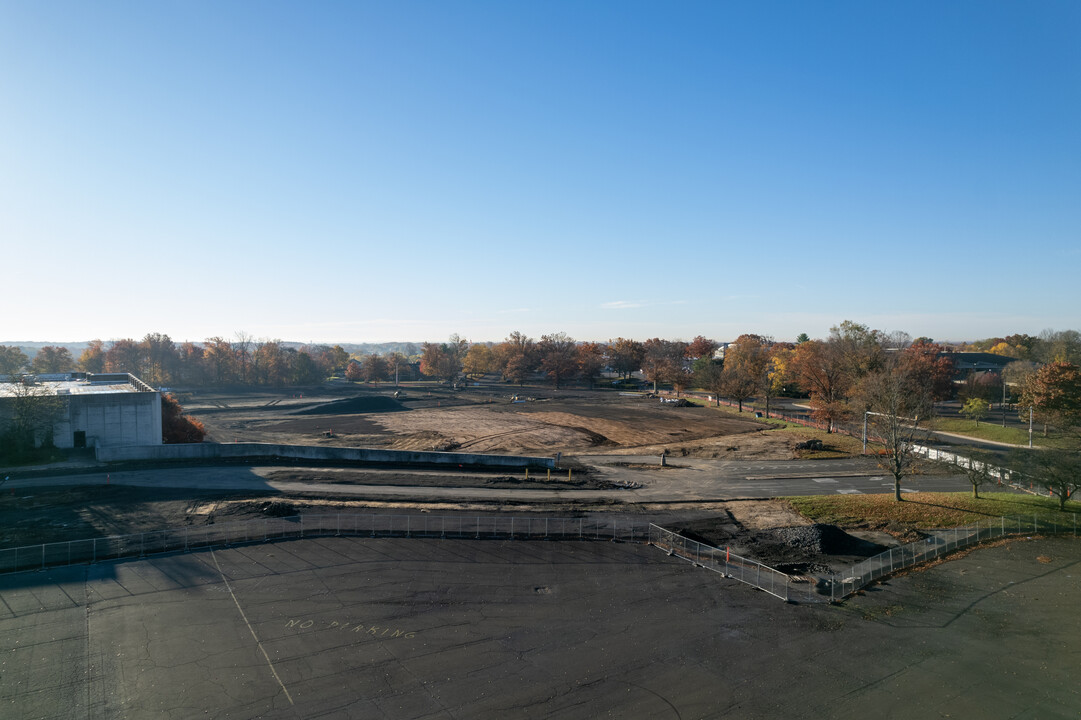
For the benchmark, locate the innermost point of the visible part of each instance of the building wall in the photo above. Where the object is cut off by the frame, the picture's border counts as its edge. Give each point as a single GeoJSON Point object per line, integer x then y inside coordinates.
{"type": "Point", "coordinates": [214, 451]}
{"type": "Point", "coordinates": [111, 420]}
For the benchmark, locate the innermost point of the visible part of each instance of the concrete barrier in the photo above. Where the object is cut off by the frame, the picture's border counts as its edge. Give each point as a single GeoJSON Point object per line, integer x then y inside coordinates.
{"type": "Point", "coordinates": [228, 451]}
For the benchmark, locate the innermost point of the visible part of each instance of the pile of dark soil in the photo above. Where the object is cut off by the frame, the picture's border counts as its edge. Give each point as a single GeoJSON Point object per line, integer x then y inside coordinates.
{"type": "Point", "coordinates": [807, 548]}
{"type": "Point", "coordinates": [278, 508]}
{"type": "Point", "coordinates": [826, 540]}
{"type": "Point", "coordinates": [355, 405]}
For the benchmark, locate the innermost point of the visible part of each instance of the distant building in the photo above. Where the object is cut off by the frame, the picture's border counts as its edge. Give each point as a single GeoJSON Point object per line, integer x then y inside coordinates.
{"type": "Point", "coordinates": [965, 363]}
{"type": "Point", "coordinates": [99, 410]}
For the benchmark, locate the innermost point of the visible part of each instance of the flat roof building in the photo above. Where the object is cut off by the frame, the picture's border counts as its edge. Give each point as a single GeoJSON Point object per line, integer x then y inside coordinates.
{"type": "Point", "coordinates": [97, 409]}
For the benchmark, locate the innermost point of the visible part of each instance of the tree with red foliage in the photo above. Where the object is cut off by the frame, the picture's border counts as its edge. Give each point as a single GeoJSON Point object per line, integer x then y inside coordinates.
{"type": "Point", "coordinates": [557, 354]}
{"type": "Point", "coordinates": [701, 347]}
{"type": "Point", "coordinates": [176, 427]}
{"type": "Point", "coordinates": [927, 367]}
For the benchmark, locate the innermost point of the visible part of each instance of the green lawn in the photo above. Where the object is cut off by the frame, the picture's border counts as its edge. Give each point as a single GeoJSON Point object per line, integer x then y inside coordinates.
{"type": "Point", "coordinates": [988, 430]}
{"type": "Point", "coordinates": [928, 510]}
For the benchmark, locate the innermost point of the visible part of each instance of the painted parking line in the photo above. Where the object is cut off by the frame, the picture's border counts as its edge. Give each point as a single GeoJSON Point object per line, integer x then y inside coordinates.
{"type": "Point", "coordinates": [824, 480]}
{"type": "Point", "coordinates": [849, 491]}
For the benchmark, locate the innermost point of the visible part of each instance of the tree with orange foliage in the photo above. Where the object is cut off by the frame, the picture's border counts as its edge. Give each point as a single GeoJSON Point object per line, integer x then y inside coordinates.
{"type": "Point", "coordinates": [821, 369]}
{"type": "Point", "coordinates": [93, 358]}
{"type": "Point", "coordinates": [590, 360]}
{"type": "Point", "coordinates": [1054, 393]}
{"type": "Point", "coordinates": [124, 356]}
{"type": "Point", "coordinates": [176, 427]}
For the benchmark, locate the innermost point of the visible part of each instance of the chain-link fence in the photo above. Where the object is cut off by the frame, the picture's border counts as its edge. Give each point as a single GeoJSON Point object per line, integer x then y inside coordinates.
{"type": "Point", "coordinates": [728, 564]}
{"type": "Point", "coordinates": [943, 542]}
{"type": "Point", "coordinates": [39, 557]}
{"type": "Point", "coordinates": [833, 587]}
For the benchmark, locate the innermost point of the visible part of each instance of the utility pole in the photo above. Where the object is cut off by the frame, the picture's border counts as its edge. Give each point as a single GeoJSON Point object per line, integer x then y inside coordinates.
{"type": "Point", "coordinates": [1003, 399]}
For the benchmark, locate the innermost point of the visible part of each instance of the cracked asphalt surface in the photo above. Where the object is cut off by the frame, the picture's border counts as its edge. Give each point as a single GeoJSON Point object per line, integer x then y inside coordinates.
{"type": "Point", "coordinates": [419, 628]}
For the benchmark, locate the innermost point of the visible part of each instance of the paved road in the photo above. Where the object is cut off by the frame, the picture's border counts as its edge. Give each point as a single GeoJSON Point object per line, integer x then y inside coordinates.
{"type": "Point", "coordinates": [685, 480]}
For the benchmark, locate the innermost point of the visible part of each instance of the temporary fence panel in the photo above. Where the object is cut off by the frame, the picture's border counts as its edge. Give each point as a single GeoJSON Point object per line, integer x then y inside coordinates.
{"type": "Point", "coordinates": [37, 557]}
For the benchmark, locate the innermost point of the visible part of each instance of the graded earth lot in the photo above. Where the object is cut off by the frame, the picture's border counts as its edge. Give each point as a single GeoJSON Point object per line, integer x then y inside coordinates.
{"type": "Point", "coordinates": [359, 628]}
{"type": "Point", "coordinates": [482, 419]}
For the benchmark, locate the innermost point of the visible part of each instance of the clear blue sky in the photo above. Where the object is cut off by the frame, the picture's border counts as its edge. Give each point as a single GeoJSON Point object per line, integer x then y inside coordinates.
{"type": "Point", "coordinates": [361, 171]}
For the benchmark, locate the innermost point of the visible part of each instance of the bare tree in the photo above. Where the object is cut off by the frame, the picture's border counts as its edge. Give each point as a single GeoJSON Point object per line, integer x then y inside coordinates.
{"type": "Point", "coordinates": [1057, 471]}
{"type": "Point", "coordinates": [897, 405]}
{"type": "Point", "coordinates": [979, 473]}
{"type": "Point", "coordinates": [28, 416]}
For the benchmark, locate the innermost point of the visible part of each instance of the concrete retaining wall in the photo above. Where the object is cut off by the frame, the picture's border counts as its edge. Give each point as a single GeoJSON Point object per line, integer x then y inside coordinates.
{"type": "Point", "coordinates": [216, 451]}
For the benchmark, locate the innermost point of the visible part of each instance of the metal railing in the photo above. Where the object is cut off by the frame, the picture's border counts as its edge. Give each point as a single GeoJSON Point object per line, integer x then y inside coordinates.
{"type": "Point", "coordinates": [939, 543]}
{"type": "Point", "coordinates": [730, 565]}
{"type": "Point", "coordinates": [136, 545]}
{"type": "Point", "coordinates": [837, 586]}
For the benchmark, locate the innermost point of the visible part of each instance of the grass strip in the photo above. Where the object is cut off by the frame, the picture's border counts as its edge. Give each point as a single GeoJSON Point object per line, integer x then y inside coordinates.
{"type": "Point", "coordinates": [928, 510]}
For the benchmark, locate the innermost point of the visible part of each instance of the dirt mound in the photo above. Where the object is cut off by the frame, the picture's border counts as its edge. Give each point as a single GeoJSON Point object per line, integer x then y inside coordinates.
{"type": "Point", "coordinates": [825, 540]}
{"type": "Point", "coordinates": [354, 405]}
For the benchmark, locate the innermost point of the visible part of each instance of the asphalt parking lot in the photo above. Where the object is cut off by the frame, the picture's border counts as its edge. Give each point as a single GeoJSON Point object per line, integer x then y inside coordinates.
{"type": "Point", "coordinates": [412, 628]}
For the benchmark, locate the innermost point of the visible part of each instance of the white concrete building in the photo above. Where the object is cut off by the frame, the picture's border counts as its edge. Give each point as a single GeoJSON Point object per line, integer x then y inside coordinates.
{"type": "Point", "coordinates": [99, 410]}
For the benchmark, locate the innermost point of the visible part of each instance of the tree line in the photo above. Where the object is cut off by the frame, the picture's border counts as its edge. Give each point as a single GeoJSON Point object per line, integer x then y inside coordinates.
{"type": "Point", "coordinates": [157, 360]}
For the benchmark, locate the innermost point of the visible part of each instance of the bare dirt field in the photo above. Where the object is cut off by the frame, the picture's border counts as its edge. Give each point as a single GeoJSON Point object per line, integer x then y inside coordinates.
{"type": "Point", "coordinates": [490, 418]}
{"type": "Point", "coordinates": [485, 419]}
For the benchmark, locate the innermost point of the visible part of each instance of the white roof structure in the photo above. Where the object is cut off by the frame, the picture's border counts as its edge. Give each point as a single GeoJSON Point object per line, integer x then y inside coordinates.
{"type": "Point", "coordinates": [80, 384]}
